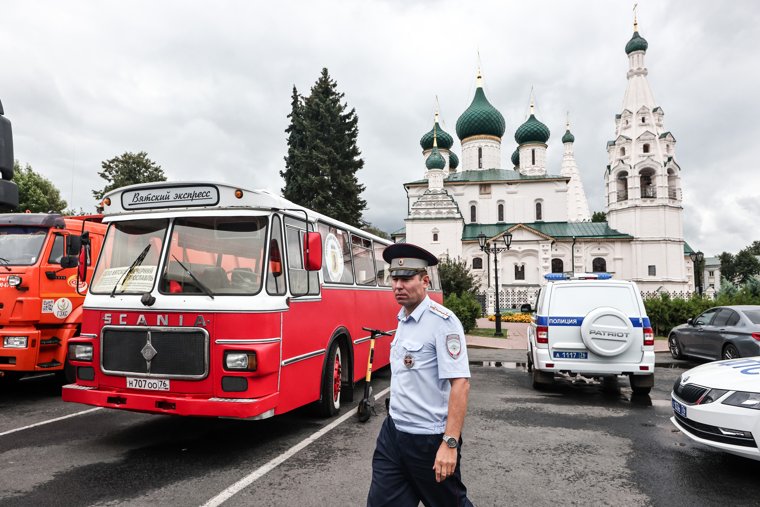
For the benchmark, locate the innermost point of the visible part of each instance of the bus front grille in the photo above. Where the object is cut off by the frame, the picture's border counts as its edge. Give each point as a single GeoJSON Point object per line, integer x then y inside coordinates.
{"type": "Point", "coordinates": [166, 352]}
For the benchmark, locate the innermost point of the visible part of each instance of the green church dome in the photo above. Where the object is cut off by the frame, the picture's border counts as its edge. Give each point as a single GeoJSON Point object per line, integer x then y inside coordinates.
{"type": "Point", "coordinates": [516, 157]}
{"type": "Point", "coordinates": [568, 137]}
{"type": "Point", "coordinates": [435, 160]}
{"type": "Point", "coordinates": [481, 118]}
{"type": "Point", "coordinates": [637, 43]}
{"type": "Point", "coordinates": [532, 131]}
{"type": "Point", "coordinates": [453, 160]}
{"type": "Point", "coordinates": [445, 140]}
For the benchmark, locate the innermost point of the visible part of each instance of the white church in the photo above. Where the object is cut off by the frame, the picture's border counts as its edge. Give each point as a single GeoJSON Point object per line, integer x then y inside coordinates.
{"type": "Point", "coordinates": [545, 211]}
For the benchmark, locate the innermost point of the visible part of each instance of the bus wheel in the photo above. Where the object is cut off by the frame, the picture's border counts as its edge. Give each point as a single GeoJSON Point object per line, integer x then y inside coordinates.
{"type": "Point", "coordinates": [329, 404]}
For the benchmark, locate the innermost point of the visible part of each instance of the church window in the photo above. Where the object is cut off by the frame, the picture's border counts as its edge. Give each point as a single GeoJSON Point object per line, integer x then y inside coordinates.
{"type": "Point", "coordinates": [599, 265]}
{"type": "Point", "coordinates": [519, 272]}
{"type": "Point", "coordinates": [622, 151]}
{"type": "Point", "coordinates": [533, 156]}
{"type": "Point", "coordinates": [711, 273]}
{"type": "Point", "coordinates": [646, 182]}
{"type": "Point", "coordinates": [477, 263]}
{"type": "Point", "coordinates": [435, 237]}
{"type": "Point", "coordinates": [622, 186]}
{"type": "Point", "coordinates": [480, 158]}
{"type": "Point", "coordinates": [643, 119]}
{"type": "Point", "coordinates": [539, 211]}
{"type": "Point", "coordinates": [558, 266]}
{"type": "Point", "coordinates": [485, 189]}
{"type": "Point", "coordinates": [473, 214]}
{"type": "Point", "coordinates": [500, 213]}
{"type": "Point", "coordinates": [646, 148]}
{"type": "Point", "coordinates": [652, 270]}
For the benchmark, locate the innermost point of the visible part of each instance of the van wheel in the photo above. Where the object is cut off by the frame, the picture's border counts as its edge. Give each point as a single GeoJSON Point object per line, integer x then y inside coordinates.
{"type": "Point", "coordinates": [541, 379]}
{"type": "Point", "coordinates": [675, 347]}
{"type": "Point", "coordinates": [329, 403]}
{"type": "Point", "coordinates": [642, 384]}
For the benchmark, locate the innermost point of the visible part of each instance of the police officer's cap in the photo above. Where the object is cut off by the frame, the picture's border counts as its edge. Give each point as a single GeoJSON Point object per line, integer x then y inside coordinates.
{"type": "Point", "coordinates": [407, 260]}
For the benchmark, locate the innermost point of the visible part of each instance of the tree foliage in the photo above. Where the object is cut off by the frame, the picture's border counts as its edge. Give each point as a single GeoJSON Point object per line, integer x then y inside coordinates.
{"type": "Point", "coordinates": [456, 277]}
{"type": "Point", "coordinates": [740, 268]}
{"type": "Point", "coordinates": [35, 192]}
{"type": "Point", "coordinates": [323, 158]}
{"type": "Point", "coordinates": [128, 169]}
{"type": "Point", "coordinates": [465, 307]}
{"type": "Point", "coordinates": [599, 216]}
{"type": "Point", "coordinates": [374, 230]}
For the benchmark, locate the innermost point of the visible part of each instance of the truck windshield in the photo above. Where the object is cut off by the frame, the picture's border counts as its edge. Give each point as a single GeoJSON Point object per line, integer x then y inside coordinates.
{"type": "Point", "coordinates": [21, 246]}
{"type": "Point", "coordinates": [124, 243]}
{"type": "Point", "coordinates": [215, 255]}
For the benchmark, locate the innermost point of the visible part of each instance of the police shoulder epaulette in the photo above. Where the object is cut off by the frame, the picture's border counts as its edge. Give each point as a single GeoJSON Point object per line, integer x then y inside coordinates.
{"type": "Point", "coordinates": [441, 312]}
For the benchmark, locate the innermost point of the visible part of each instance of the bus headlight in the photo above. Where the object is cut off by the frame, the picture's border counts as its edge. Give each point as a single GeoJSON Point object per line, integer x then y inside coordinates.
{"type": "Point", "coordinates": [80, 352]}
{"type": "Point", "coordinates": [245, 361]}
{"type": "Point", "coordinates": [15, 342]}
{"type": "Point", "coordinates": [14, 280]}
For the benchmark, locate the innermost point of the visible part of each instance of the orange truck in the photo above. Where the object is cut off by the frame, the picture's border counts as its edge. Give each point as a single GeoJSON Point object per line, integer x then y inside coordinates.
{"type": "Point", "coordinates": [42, 286]}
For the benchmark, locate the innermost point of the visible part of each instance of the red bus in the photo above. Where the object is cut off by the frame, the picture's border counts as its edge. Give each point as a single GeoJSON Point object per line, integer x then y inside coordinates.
{"type": "Point", "coordinates": [212, 300]}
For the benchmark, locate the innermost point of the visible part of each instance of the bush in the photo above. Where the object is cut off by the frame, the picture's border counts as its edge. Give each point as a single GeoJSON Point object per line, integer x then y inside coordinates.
{"type": "Point", "coordinates": [465, 307]}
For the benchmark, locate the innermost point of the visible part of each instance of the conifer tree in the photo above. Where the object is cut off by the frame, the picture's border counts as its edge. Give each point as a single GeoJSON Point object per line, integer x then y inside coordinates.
{"type": "Point", "coordinates": [323, 158]}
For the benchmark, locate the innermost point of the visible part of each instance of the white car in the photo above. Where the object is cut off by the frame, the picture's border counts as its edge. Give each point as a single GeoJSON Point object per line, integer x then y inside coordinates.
{"type": "Point", "coordinates": [591, 325]}
{"type": "Point", "coordinates": [718, 404]}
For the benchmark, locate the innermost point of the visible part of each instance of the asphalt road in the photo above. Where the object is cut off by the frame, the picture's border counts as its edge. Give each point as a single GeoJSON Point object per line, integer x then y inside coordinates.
{"type": "Point", "coordinates": [570, 445]}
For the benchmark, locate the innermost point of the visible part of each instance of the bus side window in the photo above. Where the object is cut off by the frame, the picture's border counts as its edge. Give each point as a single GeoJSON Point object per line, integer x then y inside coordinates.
{"type": "Point", "coordinates": [302, 282]}
{"type": "Point", "coordinates": [275, 278]}
{"type": "Point", "coordinates": [336, 252]}
{"type": "Point", "coordinates": [364, 265]}
{"type": "Point", "coordinates": [381, 267]}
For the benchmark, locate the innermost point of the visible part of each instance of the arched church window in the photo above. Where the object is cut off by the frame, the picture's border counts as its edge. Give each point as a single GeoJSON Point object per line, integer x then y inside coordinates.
{"type": "Point", "coordinates": [477, 263]}
{"type": "Point", "coordinates": [672, 188]}
{"type": "Point", "coordinates": [599, 265]}
{"type": "Point", "coordinates": [480, 158]}
{"type": "Point", "coordinates": [643, 119]}
{"type": "Point", "coordinates": [558, 266]}
{"type": "Point", "coordinates": [473, 213]}
{"type": "Point", "coordinates": [646, 148]}
{"type": "Point", "coordinates": [539, 211]}
{"type": "Point", "coordinates": [646, 182]}
{"type": "Point", "coordinates": [500, 212]}
{"type": "Point", "coordinates": [435, 237]}
{"type": "Point", "coordinates": [622, 186]}
{"type": "Point", "coordinates": [622, 151]}
{"type": "Point", "coordinates": [519, 272]}
{"type": "Point", "coordinates": [533, 156]}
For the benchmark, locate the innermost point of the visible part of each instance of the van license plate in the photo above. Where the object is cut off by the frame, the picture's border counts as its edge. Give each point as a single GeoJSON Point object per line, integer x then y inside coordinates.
{"type": "Point", "coordinates": [569, 355]}
{"type": "Point", "coordinates": [678, 408]}
{"type": "Point", "coordinates": [149, 384]}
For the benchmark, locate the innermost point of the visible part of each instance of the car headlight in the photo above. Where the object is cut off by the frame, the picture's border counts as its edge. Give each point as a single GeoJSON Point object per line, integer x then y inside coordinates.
{"type": "Point", "coordinates": [240, 361]}
{"type": "Point", "coordinates": [80, 351]}
{"type": "Point", "coordinates": [712, 395]}
{"type": "Point", "coordinates": [742, 399]}
{"type": "Point", "coordinates": [15, 342]}
{"type": "Point", "coordinates": [14, 280]}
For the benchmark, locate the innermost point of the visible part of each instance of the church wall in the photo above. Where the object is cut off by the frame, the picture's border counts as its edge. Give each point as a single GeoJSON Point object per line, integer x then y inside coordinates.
{"type": "Point", "coordinates": [519, 201]}
{"type": "Point", "coordinates": [491, 154]}
{"type": "Point", "coordinates": [420, 232]}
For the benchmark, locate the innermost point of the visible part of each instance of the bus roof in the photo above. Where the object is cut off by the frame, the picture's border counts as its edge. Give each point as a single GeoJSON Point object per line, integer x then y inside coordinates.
{"type": "Point", "coordinates": [33, 219]}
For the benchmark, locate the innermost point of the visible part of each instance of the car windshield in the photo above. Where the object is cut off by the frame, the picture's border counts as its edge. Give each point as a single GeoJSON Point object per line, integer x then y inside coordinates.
{"type": "Point", "coordinates": [21, 246]}
{"type": "Point", "coordinates": [129, 259]}
{"type": "Point", "coordinates": [215, 255]}
{"type": "Point", "coordinates": [753, 316]}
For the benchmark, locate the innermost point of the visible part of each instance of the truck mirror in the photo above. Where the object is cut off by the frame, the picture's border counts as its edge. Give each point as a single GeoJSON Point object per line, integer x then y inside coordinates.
{"type": "Point", "coordinates": [74, 245]}
{"type": "Point", "coordinates": [312, 255]}
{"type": "Point", "coordinates": [69, 261]}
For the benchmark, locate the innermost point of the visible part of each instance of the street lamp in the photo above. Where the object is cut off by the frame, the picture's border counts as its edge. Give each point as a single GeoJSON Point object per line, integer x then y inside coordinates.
{"type": "Point", "coordinates": [697, 258]}
{"type": "Point", "coordinates": [494, 248]}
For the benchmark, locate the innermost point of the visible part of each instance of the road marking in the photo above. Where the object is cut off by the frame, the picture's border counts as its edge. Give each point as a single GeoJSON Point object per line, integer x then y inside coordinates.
{"type": "Point", "coordinates": [274, 463]}
{"type": "Point", "coordinates": [50, 421]}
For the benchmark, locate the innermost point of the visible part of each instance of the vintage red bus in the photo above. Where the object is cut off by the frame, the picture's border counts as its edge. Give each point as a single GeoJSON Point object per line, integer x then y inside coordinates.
{"type": "Point", "coordinates": [212, 300]}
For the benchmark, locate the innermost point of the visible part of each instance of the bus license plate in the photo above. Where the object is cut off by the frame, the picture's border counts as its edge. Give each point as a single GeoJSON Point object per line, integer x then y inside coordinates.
{"type": "Point", "coordinates": [678, 408]}
{"type": "Point", "coordinates": [569, 355]}
{"type": "Point", "coordinates": [149, 384]}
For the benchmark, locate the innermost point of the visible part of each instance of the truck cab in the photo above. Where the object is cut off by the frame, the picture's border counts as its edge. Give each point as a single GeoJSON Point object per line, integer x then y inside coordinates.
{"type": "Point", "coordinates": [41, 289]}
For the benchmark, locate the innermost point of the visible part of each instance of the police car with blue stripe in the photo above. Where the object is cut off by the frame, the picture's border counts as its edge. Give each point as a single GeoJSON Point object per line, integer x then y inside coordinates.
{"type": "Point", "coordinates": [592, 325]}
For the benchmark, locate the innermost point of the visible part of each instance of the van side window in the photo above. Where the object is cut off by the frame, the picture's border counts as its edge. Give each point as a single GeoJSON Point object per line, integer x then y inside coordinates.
{"type": "Point", "coordinates": [57, 251]}
{"type": "Point", "coordinates": [275, 268]}
{"type": "Point", "coordinates": [300, 279]}
{"type": "Point", "coordinates": [336, 252]}
{"type": "Point", "coordinates": [364, 264]}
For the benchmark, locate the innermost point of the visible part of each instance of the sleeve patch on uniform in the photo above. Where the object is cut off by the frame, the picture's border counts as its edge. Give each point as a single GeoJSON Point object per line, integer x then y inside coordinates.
{"type": "Point", "coordinates": [453, 345]}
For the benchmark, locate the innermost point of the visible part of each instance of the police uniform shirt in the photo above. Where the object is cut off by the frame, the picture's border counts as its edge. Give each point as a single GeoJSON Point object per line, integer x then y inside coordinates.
{"type": "Point", "coordinates": [428, 349]}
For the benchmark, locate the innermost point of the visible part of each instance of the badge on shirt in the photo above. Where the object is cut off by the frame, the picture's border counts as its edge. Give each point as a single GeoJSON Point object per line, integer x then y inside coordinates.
{"type": "Point", "coordinates": [408, 361]}
{"type": "Point", "coordinates": [453, 345]}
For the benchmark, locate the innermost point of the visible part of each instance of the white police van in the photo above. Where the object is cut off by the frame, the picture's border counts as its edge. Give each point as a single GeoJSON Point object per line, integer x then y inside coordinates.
{"type": "Point", "coordinates": [591, 325]}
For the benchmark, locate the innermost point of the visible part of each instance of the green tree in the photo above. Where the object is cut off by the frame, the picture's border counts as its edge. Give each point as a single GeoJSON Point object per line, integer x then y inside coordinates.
{"type": "Point", "coordinates": [323, 158]}
{"type": "Point", "coordinates": [746, 266]}
{"type": "Point", "coordinates": [128, 169]}
{"type": "Point", "coordinates": [465, 307]}
{"type": "Point", "coordinates": [599, 216]}
{"type": "Point", "coordinates": [456, 277]}
{"type": "Point", "coordinates": [35, 192]}
{"type": "Point", "coordinates": [374, 230]}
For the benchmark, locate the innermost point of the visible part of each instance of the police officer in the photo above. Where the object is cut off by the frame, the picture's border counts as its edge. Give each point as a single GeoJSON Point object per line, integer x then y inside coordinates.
{"type": "Point", "coordinates": [417, 454]}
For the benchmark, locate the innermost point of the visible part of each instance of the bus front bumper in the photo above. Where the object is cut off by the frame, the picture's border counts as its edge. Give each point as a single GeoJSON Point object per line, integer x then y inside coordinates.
{"type": "Point", "coordinates": [156, 403]}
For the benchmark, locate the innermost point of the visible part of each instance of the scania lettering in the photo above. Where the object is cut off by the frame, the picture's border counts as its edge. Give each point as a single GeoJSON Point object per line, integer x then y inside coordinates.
{"type": "Point", "coordinates": [236, 304]}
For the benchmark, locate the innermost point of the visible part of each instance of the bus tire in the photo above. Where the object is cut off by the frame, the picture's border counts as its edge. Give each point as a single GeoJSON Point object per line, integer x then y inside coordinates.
{"type": "Point", "coordinates": [329, 401]}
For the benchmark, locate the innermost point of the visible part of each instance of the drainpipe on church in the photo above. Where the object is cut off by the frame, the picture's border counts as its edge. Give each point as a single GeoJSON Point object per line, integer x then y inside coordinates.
{"type": "Point", "coordinates": [572, 266]}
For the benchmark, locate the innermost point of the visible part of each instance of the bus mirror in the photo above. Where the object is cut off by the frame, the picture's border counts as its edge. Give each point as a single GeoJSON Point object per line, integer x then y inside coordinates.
{"type": "Point", "coordinates": [275, 260]}
{"type": "Point", "coordinates": [69, 261]}
{"type": "Point", "coordinates": [74, 246]}
{"type": "Point", "coordinates": [312, 255]}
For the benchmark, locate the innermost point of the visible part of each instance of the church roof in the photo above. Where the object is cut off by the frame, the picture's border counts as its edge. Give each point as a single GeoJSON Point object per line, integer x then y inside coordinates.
{"type": "Point", "coordinates": [492, 175]}
{"type": "Point", "coordinates": [557, 230]}
{"type": "Point", "coordinates": [445, 140]}
{"type": "Point", "coordinates": [435, 160]}
{"type": "Point", "coordinates": [481, 118]}
{"type": "Point", "coordinates": [532, 131]}
{"type": "Point", "coordinates": [637, 43]}
{"type": "Point", "coordinates": [568, 137]}
{"type": "Point", "coordinates": [453, 160]}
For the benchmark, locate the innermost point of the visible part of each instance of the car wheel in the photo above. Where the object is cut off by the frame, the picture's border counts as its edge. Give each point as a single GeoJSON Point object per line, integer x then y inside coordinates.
{"type": "Point", "coordinates": [730, 352]}
{"type": "Point", "coordinates": [541, 379]}
{"type": "Point", "coordinates": [675, 347]}
{"type": "Point", "coordinates": [641, 384]}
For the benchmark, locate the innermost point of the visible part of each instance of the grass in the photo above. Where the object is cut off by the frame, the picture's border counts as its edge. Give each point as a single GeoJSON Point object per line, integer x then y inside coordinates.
{"type": "Point", "coordinates": [486, 332]}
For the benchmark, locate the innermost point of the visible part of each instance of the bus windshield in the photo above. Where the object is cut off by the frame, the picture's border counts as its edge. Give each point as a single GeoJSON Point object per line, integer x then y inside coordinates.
{"type": "Point", "coordinates": [20, 246]}
{"type": "Point", "coordinates": [215, 255]}
{"type": "Point", "coordinates": [129, 259]}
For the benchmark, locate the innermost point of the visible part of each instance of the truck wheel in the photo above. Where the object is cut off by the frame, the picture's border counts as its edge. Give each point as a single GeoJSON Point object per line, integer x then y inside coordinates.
{"type": "Point", "coordinates": [329, 402]}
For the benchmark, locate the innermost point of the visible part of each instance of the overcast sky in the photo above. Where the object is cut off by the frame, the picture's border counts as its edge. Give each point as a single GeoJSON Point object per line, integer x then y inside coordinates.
{"type": "Point", "coordinates": [204, 88]}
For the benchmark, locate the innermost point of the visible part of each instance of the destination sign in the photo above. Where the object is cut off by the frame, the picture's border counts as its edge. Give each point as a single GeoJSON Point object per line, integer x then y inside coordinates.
{"type": "Point", "coordinates": [170, 197]}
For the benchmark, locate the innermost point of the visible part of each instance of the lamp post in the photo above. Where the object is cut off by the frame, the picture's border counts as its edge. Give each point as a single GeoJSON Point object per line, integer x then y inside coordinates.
{"type": "Point", "coordinates": [697, 258]}
{"type": "Point", "coordinates": [495, 249]}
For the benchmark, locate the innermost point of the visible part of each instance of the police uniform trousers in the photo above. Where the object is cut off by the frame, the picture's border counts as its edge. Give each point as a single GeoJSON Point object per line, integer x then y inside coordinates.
{"type": "Point", "coordinates": [403, 474]}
